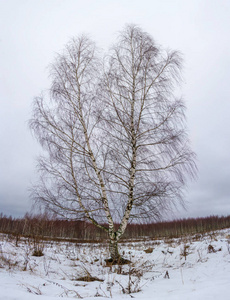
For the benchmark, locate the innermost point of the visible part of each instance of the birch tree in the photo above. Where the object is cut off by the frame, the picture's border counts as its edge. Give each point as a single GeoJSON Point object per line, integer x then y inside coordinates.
{"type": "Point", "coordinates": [114, 134]}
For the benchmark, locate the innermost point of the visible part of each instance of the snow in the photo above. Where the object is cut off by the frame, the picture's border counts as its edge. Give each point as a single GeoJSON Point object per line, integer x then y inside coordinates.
{"type": "Point", "coordinates": [198, 268]}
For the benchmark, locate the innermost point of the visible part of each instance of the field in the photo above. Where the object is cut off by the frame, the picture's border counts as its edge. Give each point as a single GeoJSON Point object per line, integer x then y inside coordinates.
{"type": "Point", "coordinates": [192, 267]}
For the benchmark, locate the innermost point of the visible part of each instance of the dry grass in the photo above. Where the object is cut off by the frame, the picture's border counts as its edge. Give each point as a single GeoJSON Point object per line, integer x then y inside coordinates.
{"type": "Point", "coordinates": [149, 250]}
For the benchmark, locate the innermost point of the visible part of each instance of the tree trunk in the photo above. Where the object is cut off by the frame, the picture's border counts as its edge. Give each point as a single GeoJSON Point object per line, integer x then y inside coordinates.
{"type": "Point", "coordinates": [113, 249]}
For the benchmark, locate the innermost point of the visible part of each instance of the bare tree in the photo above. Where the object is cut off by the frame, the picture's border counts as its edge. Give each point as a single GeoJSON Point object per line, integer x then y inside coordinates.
{"type": "Point", "coordinates": [114, 134]}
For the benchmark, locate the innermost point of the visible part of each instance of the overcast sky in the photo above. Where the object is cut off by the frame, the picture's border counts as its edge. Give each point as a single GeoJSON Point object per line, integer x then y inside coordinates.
{"type": "Point", "coordinates": [31, 32]}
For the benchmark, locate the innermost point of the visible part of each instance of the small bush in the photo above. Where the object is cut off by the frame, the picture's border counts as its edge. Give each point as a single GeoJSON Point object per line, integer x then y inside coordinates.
{"type": "Point", "coordinates": [211, 249]}
{"type": "Point", "coordinates": [88, 279]}
{"type": "Point", "coordinates": [149, 250]}
{"type": "Point", "coordinates": [184, 251]}
{"type": "Point", "coordinates": [37, 252]}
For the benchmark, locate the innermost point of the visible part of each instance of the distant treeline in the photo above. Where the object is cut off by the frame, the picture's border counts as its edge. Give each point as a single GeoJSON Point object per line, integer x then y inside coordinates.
{"type": "Point", "coordinates": [46, 227]}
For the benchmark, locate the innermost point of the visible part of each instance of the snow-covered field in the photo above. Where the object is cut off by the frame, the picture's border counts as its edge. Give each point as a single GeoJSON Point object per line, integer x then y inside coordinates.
{"type": "Point", "coordinates": [196, 267]}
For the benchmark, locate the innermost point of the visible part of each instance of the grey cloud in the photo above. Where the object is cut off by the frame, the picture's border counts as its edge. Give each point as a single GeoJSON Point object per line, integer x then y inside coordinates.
{"type": "Point", "coordinates": [32, 31]}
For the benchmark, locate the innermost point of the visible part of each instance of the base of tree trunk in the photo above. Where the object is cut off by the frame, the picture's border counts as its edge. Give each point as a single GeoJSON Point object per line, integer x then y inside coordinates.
{"type": "Point", "coordinates": [118, 261]}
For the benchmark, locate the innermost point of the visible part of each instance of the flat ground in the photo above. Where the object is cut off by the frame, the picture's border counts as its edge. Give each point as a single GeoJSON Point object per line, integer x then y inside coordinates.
{"type": "Point", "coordinates": [195, 267]}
